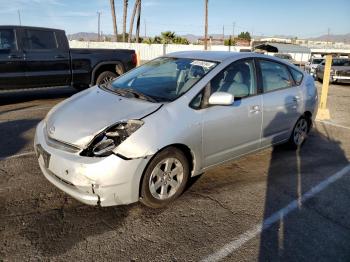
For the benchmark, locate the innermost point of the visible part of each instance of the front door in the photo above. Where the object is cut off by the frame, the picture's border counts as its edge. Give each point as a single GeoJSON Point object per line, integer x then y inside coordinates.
{"type": "Point", "coordinates": [230, 131]}
{"type": "Point", "coordinates": [47, 63]}
{"type": "Point", "coordinates": [12, 63]}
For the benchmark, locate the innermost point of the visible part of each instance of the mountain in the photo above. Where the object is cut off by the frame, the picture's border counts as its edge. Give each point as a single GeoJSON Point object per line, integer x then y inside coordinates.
{"type": "Point", "coordinates": [333, 38]}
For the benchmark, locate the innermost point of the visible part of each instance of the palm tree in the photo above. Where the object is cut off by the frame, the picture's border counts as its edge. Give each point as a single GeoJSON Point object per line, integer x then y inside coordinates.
{"type": "Point", "coordinates": [114, 18]}
{"type": "Point", "coordinates": [138, 22]}
{"type": "Point", "coordinates": [132, 20]}
{"type": "Point", "coordinates": [125, 14]}
{"type": "Point", "coordinates": [168, 37]}
{"type": "Point", "coordinates": [206, 26]}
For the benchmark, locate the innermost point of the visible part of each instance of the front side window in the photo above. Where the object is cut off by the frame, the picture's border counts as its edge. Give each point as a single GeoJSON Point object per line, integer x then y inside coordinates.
{"type": "Point", "coordinates": [238, 79]}
{"type": "Point", "coordinates": [163, 79]}
{"type": "Point", "coordinates": [40, 39]}
{"type": "Point", "coordinates": [274, 75]}
{"type": "Point", "coordinates": [7, 39]}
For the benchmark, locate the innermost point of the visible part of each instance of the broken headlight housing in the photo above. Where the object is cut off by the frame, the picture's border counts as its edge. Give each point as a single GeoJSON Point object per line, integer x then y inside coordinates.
{"type": "Point", "coordinates": [104, 143]}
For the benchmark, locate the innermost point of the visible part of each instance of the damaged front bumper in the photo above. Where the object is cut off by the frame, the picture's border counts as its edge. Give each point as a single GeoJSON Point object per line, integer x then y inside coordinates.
{"type": "Point", "coordinates": [104, 181]}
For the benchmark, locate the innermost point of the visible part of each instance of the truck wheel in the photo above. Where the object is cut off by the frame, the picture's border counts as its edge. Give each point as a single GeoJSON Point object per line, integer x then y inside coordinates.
{"type": "Point", "coordinates": [165, 178]}
{"type": "Point", "coordinates": [105, 78]}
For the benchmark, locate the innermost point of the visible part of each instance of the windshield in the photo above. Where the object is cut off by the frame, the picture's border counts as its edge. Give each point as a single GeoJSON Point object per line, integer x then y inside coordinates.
{"type": "Point", "coordinates": [341, 62]}
{"type": "Point", "coordinates": [283, 56]}
{"type": "Point", "coordinates": [317, 60]}
{"type": "Point", "coordinates": [163, 79]}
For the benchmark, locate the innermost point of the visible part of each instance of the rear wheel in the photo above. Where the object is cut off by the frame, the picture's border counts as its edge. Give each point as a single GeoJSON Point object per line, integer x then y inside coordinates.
{"type": "Point", "coordinates": [105, 78]}
{"type": "Point", "coordinates": [299, 133]}
{"type": "Point", "coordinates": [165, 178]}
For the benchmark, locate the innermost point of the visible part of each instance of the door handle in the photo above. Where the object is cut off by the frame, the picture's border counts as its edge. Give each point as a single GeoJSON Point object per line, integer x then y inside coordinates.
{"type": "Point", "coordinates": [14, 56]}
{"type": "Point", "coordinates": [59, 56]}
{"type": "Point", "coordinates": [255, 109]}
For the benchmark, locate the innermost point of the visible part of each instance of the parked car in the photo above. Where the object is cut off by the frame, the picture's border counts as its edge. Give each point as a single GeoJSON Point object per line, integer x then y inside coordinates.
{"type": "Point", "coordinates": [175, 117]}
{"type": "Point", "coordinates": [286, 57]}
{"type": "Point", "coordinates": [340, 71]}
{"type": "Point", "coordinates": [40, 57]}
{"type": "Point", "coordinates": [310, 67]}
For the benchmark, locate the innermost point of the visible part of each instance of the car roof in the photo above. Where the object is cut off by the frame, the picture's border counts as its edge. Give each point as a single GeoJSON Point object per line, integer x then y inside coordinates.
{"type": "Point", "coordinates": [217, 56]}
{"type": "Point", "coordinates": [27, 27]}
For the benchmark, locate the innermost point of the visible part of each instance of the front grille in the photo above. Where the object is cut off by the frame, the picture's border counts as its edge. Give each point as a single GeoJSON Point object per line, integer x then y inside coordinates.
{"type": "Point", "coordinates": [61, 145]}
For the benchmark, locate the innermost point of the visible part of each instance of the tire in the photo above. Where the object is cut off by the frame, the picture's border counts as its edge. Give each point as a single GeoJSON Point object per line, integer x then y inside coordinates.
{"type": "Point", "coordinates": [299, 133]}
{"type": "Point", "coordinates": [105, 77]}
{"type": "Point", "coordinates": [161, 184]}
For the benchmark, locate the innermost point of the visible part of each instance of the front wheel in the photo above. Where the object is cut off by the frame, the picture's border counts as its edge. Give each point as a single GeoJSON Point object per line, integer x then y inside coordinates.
{"type": "Point", "coordinates": [165, 178]}
{"type": "Point", "coordinates": [299, 133]}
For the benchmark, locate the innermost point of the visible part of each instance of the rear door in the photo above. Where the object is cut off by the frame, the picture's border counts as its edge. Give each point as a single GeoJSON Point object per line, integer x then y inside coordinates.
{"type": "Point", "coordinates": [47, 60]}
{"type": "Point", "coordinates": [282, 102]}
{"type": "Point", "coordinates": [11, 60]}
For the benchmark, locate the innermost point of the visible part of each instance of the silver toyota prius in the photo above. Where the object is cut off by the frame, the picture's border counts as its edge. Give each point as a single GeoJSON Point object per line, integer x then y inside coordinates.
{"type": "Point", "coordinates": [144, 135]}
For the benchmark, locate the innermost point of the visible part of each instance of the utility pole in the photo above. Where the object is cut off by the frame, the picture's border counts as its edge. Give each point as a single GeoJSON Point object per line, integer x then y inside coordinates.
{"type": "Point", "coordinates": [114, 19]}
{"type": "Point", "coordinates": [328, 31]}
{"type": "Point", "coordinates": [233, 29]}
{"type": "Point", "coordinates": [19, 17]}
{"type": "Point", "coordinates": [206, 26]}
{"type": "Point", "coordinates": [144, 21]}
{"type": "Point", "coordinates": [98, 26]}
{"type": "Point", "coordinates": [223, 34]}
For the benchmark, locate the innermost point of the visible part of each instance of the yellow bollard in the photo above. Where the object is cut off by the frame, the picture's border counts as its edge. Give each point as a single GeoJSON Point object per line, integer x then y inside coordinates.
{"type": "Point", "coordinates": [323, 111]}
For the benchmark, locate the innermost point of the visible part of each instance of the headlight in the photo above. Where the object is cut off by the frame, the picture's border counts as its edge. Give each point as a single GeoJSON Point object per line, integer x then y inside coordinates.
{"type": "Point", "coordinates": [110, 138]}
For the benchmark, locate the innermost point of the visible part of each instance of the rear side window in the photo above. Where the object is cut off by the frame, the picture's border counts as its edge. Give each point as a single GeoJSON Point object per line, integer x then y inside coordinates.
{"type": "Point", "coordinates": [40, 39]}
{"type": "Point", "coordinates": [274, 75]}
{"type": "Point", "coordinates": [298, 76]}
{"type": "Point", "coordinates": [7, 39]}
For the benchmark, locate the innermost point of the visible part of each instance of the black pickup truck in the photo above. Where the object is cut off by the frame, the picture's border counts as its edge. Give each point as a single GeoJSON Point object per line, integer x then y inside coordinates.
{"type": "Point", "coordinates": [40, 57]}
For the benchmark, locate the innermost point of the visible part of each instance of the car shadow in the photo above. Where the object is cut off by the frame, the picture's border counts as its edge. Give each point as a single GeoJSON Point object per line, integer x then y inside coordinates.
{"type": "Point", "coordinates": [18, 96]}
{"type": "Point", "coordinates": [303, 234]}
{"type": "Point", "coordinates": [13, 135]}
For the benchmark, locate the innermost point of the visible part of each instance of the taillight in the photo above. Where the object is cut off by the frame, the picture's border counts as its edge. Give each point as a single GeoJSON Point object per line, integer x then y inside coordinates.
{"type": "Point", "coordinates": [134, 59]}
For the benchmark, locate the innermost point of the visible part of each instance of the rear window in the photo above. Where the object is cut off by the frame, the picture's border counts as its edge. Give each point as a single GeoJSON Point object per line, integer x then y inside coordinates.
{"type": "Point", "coordinates": [274, 75]}
{"type": "Point", "coordinates": [297, 75]}
{"type": "Point", "coordinates": [7, 39]}
{"type": "Point", "coordinates": [40, 39]}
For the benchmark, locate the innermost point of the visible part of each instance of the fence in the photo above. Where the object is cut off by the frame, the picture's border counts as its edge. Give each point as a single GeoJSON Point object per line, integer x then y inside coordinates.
{"type": "Point", "coordinates": [148, 52]}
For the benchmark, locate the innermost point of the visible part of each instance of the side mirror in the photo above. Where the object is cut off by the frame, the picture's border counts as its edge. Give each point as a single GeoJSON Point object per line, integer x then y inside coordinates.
{"type": "Point", "coordinates": [221, 98]}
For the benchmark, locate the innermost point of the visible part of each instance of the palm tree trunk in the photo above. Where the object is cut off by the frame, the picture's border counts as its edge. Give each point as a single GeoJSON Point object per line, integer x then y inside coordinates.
{"type": "Point", "coordinates": [206, 26]}
{"type": "Point", "coordinates": [114, 18]}
{"type": "Point", "coordinates": [132, 20]}
{"type": "Point", "coordinates": [138, 22]}
{"type": "Point", "coordinates": [125, 14]}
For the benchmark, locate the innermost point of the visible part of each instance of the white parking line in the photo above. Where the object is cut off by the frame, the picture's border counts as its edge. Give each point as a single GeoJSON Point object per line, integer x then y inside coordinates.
{"type": "Point", "coordinates": [257, 229]}
{"type": "Point", "coordinates": [332, 124]}
{"type": "Point", "coordinates": [18, 155]}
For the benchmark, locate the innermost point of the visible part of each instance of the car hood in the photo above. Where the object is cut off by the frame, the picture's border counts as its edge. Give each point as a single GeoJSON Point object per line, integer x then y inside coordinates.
{"type": "Point", "coordinates": [80, 118]}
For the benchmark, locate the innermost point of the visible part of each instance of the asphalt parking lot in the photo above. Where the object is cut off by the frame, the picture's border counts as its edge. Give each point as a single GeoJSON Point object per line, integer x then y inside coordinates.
{"type": "Point", "coordinates": [276, 205]}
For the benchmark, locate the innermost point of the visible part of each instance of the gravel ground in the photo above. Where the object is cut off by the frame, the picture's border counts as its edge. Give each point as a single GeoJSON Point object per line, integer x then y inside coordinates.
{"type": "Point", "coordinates": [39, 222]}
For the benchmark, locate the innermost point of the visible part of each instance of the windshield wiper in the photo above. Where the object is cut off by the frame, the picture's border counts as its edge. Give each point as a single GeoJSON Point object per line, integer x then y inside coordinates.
{"type": "Point", "coordinates": [136, 94]}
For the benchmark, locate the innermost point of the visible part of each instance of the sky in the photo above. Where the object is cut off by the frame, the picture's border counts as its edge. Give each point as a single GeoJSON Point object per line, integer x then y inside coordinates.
{"type": "Point", "coordinates": [300, 18]}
